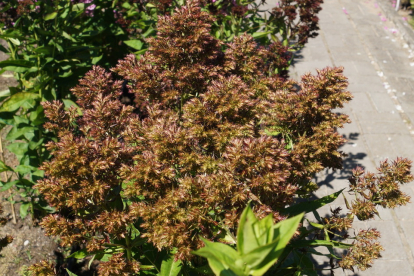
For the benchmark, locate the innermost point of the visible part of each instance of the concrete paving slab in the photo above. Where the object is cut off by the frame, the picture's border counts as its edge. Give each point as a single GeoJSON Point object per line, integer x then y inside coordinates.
{"type": "Point", "coordinates": [380, 69]}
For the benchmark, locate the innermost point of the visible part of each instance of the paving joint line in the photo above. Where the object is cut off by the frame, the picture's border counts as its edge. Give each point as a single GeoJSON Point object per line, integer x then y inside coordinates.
{"type": "Point", "coordinates": [407, 122]}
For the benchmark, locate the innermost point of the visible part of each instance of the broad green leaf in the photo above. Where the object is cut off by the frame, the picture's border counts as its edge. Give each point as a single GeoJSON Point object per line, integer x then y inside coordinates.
{"type": "Point", "coordinates": [68, 36]}
{"type": "Point", "coordinates": [19, 149]}
{"type": "Point", "coordinates": [20, 120]}
{"type": "Point", "coordinates": [283, 232]}
{"type": "Point", "coordinates": [16, 63]}
{"type": "Point", "coordinates": [17, 133]}
{"type": "Point", "coordinates": [136, 44]}
{"type": "Point", "coordinates": [35, 144]}
{"type": "Point", "coordinates": [25, 169]}
{"type": "Point", "coordinates": [4, 167]}
{"type": "Point", "coordinates": [24, 184]}
{"type": "Point", "coordinates": [221, 258]}
{"type": "Point", "coordinates": [95, 60]}
{"type": "Point", "coordinates": [37, 117]}
{"type": "Point", "coordinates": [263, 230]}
{"type": "Point", "coordinates": [8, 185]}
{"type": "Point", "coordinates": [50, 16]}
{"type": "Point", "coordinates": [15, 41]}
{"type": "Point", "coordinates": [127, 6]}
{"type": "Point", "coordinates": [78, 7]}
{"type": "Point", "coordinates": [16, 69]}
{"type": "Point", "coordinates": [170, 268]}
{"type": "Point", "coordinates": [46, 50]}
{"type": "Point", "coordinates": [311, 205]}
{"type": "Point", "coordinates": [254, 259]}
{"type": "Point", "coordinates": [80, 254]}
{"type": "Point", "coordinates": [23, 209]}
{"type": "Point", "coordinates": [18, 100]}
{"type": "Point", "coordinates": [246, 240]}
{"type": "Point", "coordinates": [39, 173]}
{"type": "Point", "coordinates": [261, 34]}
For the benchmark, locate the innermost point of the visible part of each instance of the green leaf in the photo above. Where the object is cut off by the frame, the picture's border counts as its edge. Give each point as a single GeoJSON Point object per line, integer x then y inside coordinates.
{"type": "Point", "coordinates": [4, 167]}
{"type": "Point", "coordinates": [19, 149]}
{"type": "Point", "coordinates": [79, 7]}
{"type": "Point", "coordinates": [136, 44]}
{"type": "Point", "coordinates": [8, 185]}
{"type": "Point", "coordinates": [255, 258]}
{"type": "Point", "coordinates": [68, 36]}
{"type": "Point", "coordinates": [17, 133]}
{"type": "Point", "coordinates": [16, 63]}
{"type": "Point", "coordinates": [23, 209]}
{"type": "Point", "coordinates": [246, 239]}
{"type": "Point", "coordinates": [25, 169]}
{"type": "Point", "coordinates": [314, 243]}
{"type": "Point", "coordinates": [15, 41]}
{"type": "Point", "coordinates": [24, 184]}
{"type": "Point", "coordinates": [222, 259]}
{"type": "Point", "coordinates": [261, 34]}
{"type": "Point", "coordinates": [317, 225]}
{"type": "Point", "coordinates": [16, 69]}
{"type": "Point", "coordinates": [311, 205]}
{"type": "Point", "coordinates": [170, 268]}
{"type": "Point", "coordinates": [46, 50]}
{"type": "Point", "coordinates": [283, 232]}
{"type": "Point", "coordinates": [80, 254]}
{"type": "Point", "coordinates": [37, 117]}
{"type": "Point", "coordinates": [21, 99]}
{"type": "Point", "coordinates": [50, 16]}
{"type": "Point", "coordinates": [70, 273]}
{"type": "Point", "coordinates": [95, 60]}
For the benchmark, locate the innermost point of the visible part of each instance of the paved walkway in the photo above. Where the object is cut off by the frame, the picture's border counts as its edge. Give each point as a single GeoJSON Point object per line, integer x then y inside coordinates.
{"type": "Point", "coordinates": [359, 35]}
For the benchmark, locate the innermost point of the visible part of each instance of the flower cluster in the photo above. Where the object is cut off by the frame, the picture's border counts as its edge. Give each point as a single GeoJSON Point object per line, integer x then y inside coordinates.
{"type": "Point", "coordinates": [381, 189]}
{"type": "Point", "coordinates": [118, 266]}
{"type": "Point", "coordinates": [210, 132]}
{"type": "Point", "coordinates": [44, 268]}
{"type": "Point", "coordinates": [338, 222]}
{"type": "Point", "coordinates": [364, 250]}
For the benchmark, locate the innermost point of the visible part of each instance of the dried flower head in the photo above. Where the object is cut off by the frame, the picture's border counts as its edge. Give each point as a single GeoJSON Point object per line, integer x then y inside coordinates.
{"type": "Point", "coordinates": [364, 251]}
{"type": "Point", "coordinates": [211, 131]}
{"type": "Point", "coordinates": [380, 189]}
{"type": "Point", "coordinates": [118, 266]}
{"type": "Point", "coordinates": [44, 268]}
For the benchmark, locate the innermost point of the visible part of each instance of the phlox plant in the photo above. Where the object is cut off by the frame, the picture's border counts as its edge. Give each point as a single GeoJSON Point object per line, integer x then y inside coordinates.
{"type": "Point", "coordinates": [52, 44]}
{"type": "Point", "coordinates": [141, 187]}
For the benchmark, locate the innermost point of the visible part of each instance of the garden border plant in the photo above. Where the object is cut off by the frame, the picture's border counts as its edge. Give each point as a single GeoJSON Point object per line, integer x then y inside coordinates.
{"type": "Point", "coordinates": [52, 44]}
{"type": "Point", "coordinates": [212, 129]}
